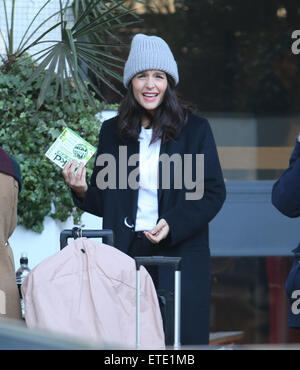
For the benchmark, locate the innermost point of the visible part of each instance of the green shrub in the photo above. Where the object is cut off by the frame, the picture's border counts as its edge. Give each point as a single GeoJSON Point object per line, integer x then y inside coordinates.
{"type": "Point", "coordinates": [26, 134]}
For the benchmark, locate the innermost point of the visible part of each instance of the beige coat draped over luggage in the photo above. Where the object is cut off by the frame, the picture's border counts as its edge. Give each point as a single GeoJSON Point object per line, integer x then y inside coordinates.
{"type": "Point", "coordinates": [88, 290]}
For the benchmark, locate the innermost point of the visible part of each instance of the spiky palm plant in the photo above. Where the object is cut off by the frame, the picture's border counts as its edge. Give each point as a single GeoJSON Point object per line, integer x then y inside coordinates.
{"type": "Point", "coordinates": [85, 45]}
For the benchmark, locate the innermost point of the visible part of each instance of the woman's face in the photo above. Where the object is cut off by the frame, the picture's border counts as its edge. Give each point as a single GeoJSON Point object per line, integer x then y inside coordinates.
{"type": "Point", "coordinates": [149, 88]}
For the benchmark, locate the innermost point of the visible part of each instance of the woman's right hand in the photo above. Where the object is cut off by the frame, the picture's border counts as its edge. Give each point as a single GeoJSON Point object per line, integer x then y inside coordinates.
{"type": "Point", "coordinates": [76, 181]}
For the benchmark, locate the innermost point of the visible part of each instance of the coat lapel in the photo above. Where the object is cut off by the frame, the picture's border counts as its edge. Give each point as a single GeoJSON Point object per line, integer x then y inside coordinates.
{"type": "Point", "coordinates": [132, 149]}
{"type": "Point", "coordinates": [160, 191]}
{"type": "Point", "coordinates": [169, 149]}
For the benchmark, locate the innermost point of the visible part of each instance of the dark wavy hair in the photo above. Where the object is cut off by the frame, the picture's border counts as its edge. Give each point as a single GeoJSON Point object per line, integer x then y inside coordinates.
{"type": "Point", "coordinates": [167, 122]}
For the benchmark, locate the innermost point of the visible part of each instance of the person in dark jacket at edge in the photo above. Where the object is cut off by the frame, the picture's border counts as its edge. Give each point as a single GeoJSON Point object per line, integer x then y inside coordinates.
{"type": "Point", "coordinates": [286, 198]}
{"type": "Point", "coordinates": [157, 220]}
{"type": "Point", "coordinates": [10, 186]}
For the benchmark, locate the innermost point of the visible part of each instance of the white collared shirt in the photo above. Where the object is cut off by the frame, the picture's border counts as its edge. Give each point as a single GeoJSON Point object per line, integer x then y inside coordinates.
{"type": "Point", "coordinates": [147, 207]}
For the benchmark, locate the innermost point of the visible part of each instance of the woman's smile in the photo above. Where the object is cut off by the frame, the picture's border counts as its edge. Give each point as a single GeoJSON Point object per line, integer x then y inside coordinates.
{"type": "Point", "coordinates": [150, 96]}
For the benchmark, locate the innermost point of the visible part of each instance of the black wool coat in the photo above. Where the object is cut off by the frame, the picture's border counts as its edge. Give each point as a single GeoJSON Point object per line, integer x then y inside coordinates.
{"type": "Point", "coordinates": [188, 219]}
{"type": "Point", "coordinates": [286, 198]}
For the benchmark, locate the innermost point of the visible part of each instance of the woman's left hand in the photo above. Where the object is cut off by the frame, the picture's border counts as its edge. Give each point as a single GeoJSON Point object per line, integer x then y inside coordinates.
{"type": "Point", "coordinates": [159, 232]}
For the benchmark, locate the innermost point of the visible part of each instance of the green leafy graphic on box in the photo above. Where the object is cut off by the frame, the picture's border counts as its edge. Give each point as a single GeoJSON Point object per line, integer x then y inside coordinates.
{"type": "Point", "coordinates": [69, 146]}
{"type": "Point", "coordinates": [80, 151]}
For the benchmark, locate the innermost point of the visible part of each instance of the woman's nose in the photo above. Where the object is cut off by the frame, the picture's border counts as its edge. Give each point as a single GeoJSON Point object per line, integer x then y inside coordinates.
{"type": "Point", "coordinates": [150, 83]}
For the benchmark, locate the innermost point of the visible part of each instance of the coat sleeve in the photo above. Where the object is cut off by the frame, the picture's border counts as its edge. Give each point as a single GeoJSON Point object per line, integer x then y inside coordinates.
{"type": "Point", "coordinates": [286, 190]}
{"type": "Point", "coordinates": [93, 200]}
{"type": "Point", "coordinates": [190, 216]}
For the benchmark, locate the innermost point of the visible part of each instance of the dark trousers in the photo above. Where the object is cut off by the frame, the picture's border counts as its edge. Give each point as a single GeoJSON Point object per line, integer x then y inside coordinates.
{"type": "Point", "coordinates": [141, 247]}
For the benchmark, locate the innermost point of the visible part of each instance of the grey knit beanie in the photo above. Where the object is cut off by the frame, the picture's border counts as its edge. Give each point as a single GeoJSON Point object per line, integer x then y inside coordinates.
{"type": "Point", "coordinates": [149, 52]}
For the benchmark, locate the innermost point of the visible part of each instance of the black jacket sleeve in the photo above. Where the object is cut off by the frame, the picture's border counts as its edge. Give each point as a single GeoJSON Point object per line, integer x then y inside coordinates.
{"type": "Point", "coordinates": [190, 216]}
{"type": "Point", "coordinates": [286, 190]}
{"type": "Point", "coordinates": [93, 200]}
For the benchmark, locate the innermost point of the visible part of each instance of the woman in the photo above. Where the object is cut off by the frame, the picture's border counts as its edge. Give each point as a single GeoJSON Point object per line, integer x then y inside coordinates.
{"type": "Point", "coordinates": [172, 218]}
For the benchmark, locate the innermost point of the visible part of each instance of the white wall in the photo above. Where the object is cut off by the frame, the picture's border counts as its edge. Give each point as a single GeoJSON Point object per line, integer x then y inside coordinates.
{"type": "Point", "coordinates": [25, 11]}
{"type": "Point", "coordinates": [40, 246]}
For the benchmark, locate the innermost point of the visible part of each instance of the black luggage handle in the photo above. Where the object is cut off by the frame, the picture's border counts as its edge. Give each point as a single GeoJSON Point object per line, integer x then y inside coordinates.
{"type": "Point", "coordinates": [76, 232]}
{"type": "Point", "coordinates": [158, 260]}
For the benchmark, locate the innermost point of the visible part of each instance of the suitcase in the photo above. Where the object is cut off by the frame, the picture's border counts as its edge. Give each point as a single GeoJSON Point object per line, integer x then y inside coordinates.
{"type": "Point", "coordinates": [169, 303]}
{"type": "Point", "coordinates": [166, 305]}
{"type": "Point", "coordinates": [106, 235]}
{"type": "Point", "coordinates": [160, 261]}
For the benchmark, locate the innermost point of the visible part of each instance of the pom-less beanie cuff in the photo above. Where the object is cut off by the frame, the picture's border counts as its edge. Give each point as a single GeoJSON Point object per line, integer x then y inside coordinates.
{"type": "Point", "coordinates": [149, 52]}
